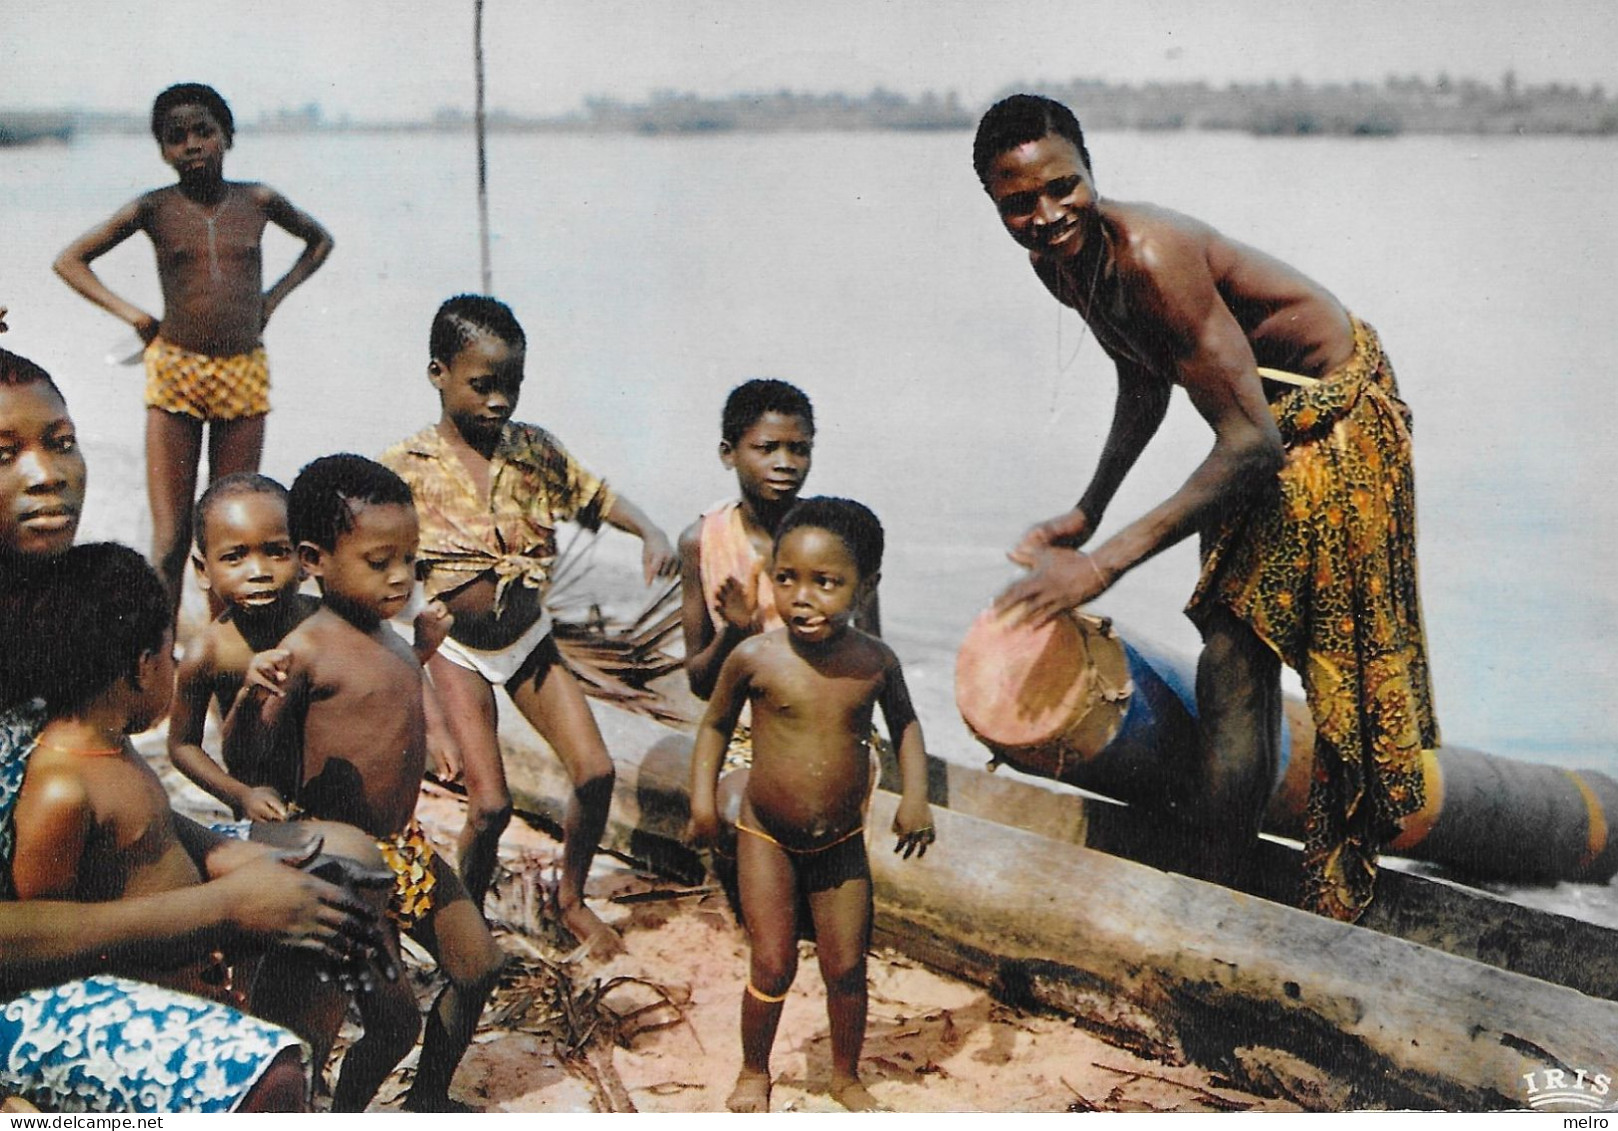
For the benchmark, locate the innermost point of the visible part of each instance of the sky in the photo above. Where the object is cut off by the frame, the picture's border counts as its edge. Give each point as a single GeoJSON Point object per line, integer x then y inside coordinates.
{"type": "Point", "coordinates": [368, 59]}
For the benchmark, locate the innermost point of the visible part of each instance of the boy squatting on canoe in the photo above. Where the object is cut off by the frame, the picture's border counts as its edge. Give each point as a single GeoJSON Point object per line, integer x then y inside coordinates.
{"type": "Point", "coordinates": [811, 686]}
{"type": "Point", "coordinates": [205, 359]}
{"type": "Point", "coordinates": [490, 494]}
{"type": "Point", "coordinates": [1305, 504]}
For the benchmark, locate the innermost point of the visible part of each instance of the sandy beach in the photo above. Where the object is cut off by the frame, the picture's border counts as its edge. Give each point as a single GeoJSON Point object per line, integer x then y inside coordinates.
{"type": "Point", "coordinates": [659, 1022]}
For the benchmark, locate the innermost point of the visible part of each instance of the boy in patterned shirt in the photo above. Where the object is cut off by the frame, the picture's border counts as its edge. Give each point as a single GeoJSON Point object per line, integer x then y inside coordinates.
{"type": "Point", "coordinates": [489, 495]}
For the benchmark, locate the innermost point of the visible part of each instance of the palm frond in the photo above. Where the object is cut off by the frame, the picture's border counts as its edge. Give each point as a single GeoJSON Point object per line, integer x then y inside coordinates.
{"type": "Point", "coordinates": [615, 660]}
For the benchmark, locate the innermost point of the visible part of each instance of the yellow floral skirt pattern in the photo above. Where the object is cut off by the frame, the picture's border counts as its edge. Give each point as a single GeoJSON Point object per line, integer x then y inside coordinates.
{"type": "Point", "coordinates": [1324, 570]}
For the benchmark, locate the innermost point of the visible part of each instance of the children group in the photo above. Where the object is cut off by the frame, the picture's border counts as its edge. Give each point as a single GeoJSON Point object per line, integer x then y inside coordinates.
{"type": "Point", "coordinates": [432, 564]}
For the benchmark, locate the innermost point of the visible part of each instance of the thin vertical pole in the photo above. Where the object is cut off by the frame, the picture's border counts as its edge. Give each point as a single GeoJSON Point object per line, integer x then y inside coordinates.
{"type": "Point", "coordinates": [483, 160]}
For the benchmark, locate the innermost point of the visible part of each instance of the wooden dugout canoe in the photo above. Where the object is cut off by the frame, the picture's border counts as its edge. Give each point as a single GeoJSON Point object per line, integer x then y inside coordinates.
{"type": "Point", "coordinates": [1442, 998]}
{"type": "Point", "coordinates": [1074, 702]}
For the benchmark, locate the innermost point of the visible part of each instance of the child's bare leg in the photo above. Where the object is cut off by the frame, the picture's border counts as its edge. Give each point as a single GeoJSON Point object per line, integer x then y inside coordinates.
{"type": "Point", "coordinates": [235, 445]}
{"type": "Point", "coordinates": [295, 989]}
{"type": "Point", "coordinates": [456, 936]}
{"type": "Point", "coordinates": [470, 716]}
{"type": "Point", "coordinates": [173, 448]}
{"type": "Point", "coordinates": [1239, 728]}
{"type": "Point", "coordinates": [769, 891]}
{"type": "Point", "coordinates": [842, 916]}
{"type": "Point", "coordinates": [283, 1087]}
{"type": "Point", "coordinates": [289, 990]}
{"type": "Point", "coordinates": [391, 1018]}
{"type": "Point", "coordinates": [552, 701]}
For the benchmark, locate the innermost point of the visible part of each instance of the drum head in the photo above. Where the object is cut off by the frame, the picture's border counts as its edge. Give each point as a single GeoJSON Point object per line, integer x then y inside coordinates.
{"type": "Point", "coordinates": [1019, 687]}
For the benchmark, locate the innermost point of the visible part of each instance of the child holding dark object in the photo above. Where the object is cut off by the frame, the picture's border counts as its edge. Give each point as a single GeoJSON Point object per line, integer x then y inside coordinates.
{"type": "Point", "coordinates": [347, 707]}
{"type": "Point", "coordinates": [93, 822]}
{"type": "Point", "coordinates": [812, 686]}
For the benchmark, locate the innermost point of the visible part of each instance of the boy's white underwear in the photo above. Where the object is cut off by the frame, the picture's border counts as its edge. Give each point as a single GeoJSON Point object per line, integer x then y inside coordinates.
{"type": "Point", "coordinates": [500, 665]}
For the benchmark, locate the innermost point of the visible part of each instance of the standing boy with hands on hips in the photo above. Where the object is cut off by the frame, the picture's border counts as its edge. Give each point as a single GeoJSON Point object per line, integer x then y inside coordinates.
{"type": "Point", "coordinates": [205, 359]}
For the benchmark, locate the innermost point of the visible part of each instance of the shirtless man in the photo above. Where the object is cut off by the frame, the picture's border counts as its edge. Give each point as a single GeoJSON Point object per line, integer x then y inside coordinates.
{"type": "Point", "coordinates": [1305, 502]}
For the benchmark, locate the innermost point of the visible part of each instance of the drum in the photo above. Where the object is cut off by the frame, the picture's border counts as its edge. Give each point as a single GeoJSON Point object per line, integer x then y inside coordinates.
{"type": "Point", "coordinates": [1074, 703]}
{"type": "Point", "coordinates": [1070, 701]}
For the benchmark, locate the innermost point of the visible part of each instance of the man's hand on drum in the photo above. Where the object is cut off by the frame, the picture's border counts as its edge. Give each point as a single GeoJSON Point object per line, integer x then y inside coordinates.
{"type": "Point", "coordinates": [1070, 529]}
{"type": "Point", "coordinates": [1059, 579]}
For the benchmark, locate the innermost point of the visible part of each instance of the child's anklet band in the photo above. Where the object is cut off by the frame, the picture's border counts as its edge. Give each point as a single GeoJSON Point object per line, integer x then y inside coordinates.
{"type": "Point", "coordinates": [764, 997]}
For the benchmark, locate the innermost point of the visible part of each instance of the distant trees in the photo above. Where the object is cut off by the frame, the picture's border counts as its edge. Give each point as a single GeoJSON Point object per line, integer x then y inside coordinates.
{"type": "Point", "coordinates": [1399, 104]}
{"type": "Point", "coordinates": [675, 112]}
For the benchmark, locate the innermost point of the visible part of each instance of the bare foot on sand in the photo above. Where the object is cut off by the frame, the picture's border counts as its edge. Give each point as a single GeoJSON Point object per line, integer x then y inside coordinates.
{"type": "Point", "coordinates": [751, 1093]}
{"type": "Point", "coordinates": [853, 1096]}
{"type": "Point", "coordinates": [586, 926]}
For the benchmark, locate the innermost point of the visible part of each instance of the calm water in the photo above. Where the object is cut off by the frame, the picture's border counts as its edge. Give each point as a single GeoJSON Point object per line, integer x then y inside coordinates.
{"type": "Point", "coordinates": [954, 397]}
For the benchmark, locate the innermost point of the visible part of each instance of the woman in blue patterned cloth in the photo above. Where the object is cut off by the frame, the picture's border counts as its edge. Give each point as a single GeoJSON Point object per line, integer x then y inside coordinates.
{"type": "Point", "coordinates": [74, 1036]}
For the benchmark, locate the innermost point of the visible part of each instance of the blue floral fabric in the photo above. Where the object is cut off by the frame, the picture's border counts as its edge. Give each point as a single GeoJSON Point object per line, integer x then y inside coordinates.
{"type": "Point", "coordinates": [109, 1044]}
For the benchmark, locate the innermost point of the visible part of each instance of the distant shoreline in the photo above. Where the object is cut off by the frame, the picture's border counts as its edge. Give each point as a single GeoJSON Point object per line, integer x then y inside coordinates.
{"type": "Point", "coordinates": [1397, 105]}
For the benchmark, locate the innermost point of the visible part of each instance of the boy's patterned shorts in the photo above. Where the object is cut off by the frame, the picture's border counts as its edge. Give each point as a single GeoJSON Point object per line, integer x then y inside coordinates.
{"type": "Point", "coordinates": [411, 857]}
{"type": "Point", "coordinates": [204, 387]}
